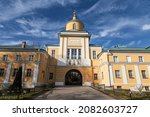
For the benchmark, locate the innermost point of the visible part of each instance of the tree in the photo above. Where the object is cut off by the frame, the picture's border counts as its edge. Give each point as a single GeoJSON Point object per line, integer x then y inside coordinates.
{"type": "Point", "coordinates": [17, 84]}
{"type": "Point", "coordinates": [139, 88]}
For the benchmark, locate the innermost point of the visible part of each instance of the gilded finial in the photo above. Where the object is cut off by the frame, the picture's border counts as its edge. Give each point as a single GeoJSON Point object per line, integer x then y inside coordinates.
{"type": "Point", "coordinates": [74, 15]}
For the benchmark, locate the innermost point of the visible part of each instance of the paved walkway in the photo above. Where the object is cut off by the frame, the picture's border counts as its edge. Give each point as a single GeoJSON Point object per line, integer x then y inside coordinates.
{"type": "Point", "coordinates": [73, 93]}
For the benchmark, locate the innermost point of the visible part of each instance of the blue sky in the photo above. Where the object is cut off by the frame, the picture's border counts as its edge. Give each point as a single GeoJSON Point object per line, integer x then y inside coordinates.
{"type": "Point", "coordinates": [110, 22]}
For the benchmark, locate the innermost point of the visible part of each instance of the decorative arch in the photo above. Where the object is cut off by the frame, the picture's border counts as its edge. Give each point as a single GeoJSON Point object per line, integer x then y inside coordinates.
{"type": "Point", "coordinates": [73, 77]}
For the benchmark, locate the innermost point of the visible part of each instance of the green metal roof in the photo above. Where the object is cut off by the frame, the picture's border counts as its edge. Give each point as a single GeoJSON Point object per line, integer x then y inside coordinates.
{"type": "Point", "coordinates": [130, 49]}
{"type": "Point", "coordinates": [94, 45]}
{"type": "Point", "coordinates": [52, 45]}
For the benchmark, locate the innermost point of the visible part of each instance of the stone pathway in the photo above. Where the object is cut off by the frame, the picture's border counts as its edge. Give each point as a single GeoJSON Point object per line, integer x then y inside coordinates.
{"type": "Point", "coordinates": [74, 93]}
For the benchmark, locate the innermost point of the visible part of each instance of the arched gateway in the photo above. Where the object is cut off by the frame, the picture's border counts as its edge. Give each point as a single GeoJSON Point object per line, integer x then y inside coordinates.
{"type": "Point", "coordinates": [73, 77]}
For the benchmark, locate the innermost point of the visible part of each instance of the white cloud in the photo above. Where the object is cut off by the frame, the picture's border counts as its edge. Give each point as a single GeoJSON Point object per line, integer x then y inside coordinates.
{"type": "Point", "coordinates": [39, 27]}
{"type": "Point", "coordinates": [22, 21]}
{"type": "Point", "coordinates": [103, 6]}
{"type": "Point", "coordinates": [18, 33]}
{"type": "Point", "coordinates": [131, 43]}
{"type": "Point", "coordinates": [10, 42]}
{"type": "Point", "coordinates": [5, 37]}
{"type": "Point", "coordinates": [139, 42]}
{"type": "Point", "coordinates": [94, 36]}
{"type": "Point", "coordinates": [113, 30]}
{"type": "Point", "coordinates": [146, 27]}
{"type": "Point", "coordinates": [19, 7]}
{"type": "Point", "coordinates": [107, 43]}
{"type": "Point", "coordinates": [1, 26]}
{"type": "Point", "coordinates": [37, 33]}
{"type": "Point", "coordinates": [104, 33]}
{"type": "Point", "coordinates": [35, 27]}
{"type": "Point", "coordinates": [39, 23]}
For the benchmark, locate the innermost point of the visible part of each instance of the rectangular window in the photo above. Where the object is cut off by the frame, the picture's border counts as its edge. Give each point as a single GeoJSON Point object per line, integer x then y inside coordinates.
{"type": "Point", "coordinates": [94, 54]}
{"type": "Point", "coordinates": [68, 53]}
{"type": "Point", "coordinates": [115, 59]}
{"type": "Point", "coordinates": [141, 59]}
{"type": "Point", "coordinates": [1, 72]}
{"type": "Point", "coordinates": [119, 87]}
{"type": "Point", "coordinates": [15, 72]}
{"type": "Point", "coordinates": [130, 72]}
{"type": "Point", "coordinates": [147, 88]}
{"type": "Point", "coordinates": [128, 59]}
{"type": "Point", "coordinates": [79, 53]}
{"type": "Point", "coordinates": [53, 53]}
{"type": "Point", "coordinates": [117, 73]}
{"type": "Point", "coordinates": [28, 74]}
{"type": "Point", "coordinates": [73, 53]}
{"type": "Point", "coordinates": [143, 73]}
{"type": "Point", "coordinates": [18, 57]}
{"type": "Point", "coordinates": [95, 77]}
{"type": "Point", "coordinates": [50, 76]}
{"type": "Point", "coordinates": [5, 57]}
{"type": "Point", "coordinates": [31, 57]}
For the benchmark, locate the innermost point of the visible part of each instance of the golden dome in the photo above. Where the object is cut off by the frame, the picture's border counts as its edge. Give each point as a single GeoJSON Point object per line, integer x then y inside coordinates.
{"type": "Point", "coordinates": [74, 24]}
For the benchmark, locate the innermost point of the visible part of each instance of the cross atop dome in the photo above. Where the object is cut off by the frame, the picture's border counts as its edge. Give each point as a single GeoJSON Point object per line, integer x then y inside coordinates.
{"type": "Point", "coordinates": [74, 15]}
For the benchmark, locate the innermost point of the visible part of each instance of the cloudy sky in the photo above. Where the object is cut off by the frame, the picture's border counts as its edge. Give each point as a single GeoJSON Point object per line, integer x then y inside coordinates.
{"type": "Point", "coordinates": [110, 22]}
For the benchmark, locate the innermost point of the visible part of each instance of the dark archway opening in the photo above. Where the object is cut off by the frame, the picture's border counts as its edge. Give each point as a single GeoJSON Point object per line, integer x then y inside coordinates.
{"type": "Point", "coordinates": [73, 77]}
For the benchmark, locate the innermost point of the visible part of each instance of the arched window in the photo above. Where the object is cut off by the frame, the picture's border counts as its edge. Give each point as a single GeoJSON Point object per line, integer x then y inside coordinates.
{"type": "Point", "coordinates": [74, 26]}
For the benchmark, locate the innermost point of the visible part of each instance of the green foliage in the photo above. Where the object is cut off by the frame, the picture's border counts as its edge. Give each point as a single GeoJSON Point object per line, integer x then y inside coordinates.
{"type": "Point", "coordinates": [125, 94]}
{"type": "Point", "coordinates": [24, 96]}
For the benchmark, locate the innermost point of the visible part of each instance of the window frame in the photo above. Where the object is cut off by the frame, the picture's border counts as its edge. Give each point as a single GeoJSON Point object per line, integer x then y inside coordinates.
{"type": "Point", "coordinates": [144, 76]}
{"type": "Point", "coordinates": [147, 88]}
{"type": "Point", "coordinates": [95, 76]}
{"type": "Point", "coordinates": [130, 75]}
{"type": "Point", "coordinates": [79, 53]}
{"type": "Point", "coordinates": [5, 57]}
{"type": "Point", "coordinates": [94, 54]}
{"type": "Point", "coordinates": [29, 73]}
{"type": "Point", "coordinates": [115, 59]}
{"type": "Point", "coordinates": [117, 74]}
{"type": "Point", "coordinates": [2, 71]}
{"type": "Point", "coordinates": [73, 53]}
{"type": "Point", "coordinates": [74, 26]}
{"type": "Point", "coordinates": [51, 76]}
{"type": "Point", "coordinates": [68, 53]}
{"type": "Point", "coordinates": [31, 57]}
{"type": "Point", "coordinates": [53, 54]}
{"type": "Point", "coordinates": [128, 59]}
{"type": "Point", "coordinates": [141, 59]}
{"type": "Point", "coordinates": [119, 87]}
{"type": "Point", "coordinates": [14, 73]}
{"type": "Point", "coordinates": [18, 58]}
